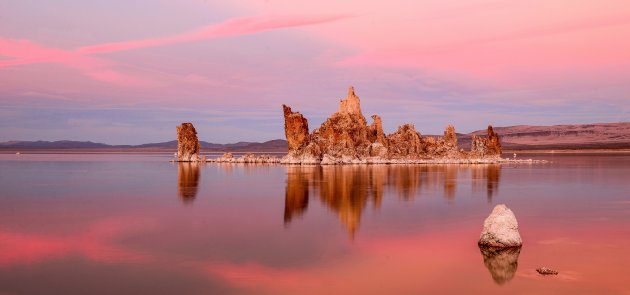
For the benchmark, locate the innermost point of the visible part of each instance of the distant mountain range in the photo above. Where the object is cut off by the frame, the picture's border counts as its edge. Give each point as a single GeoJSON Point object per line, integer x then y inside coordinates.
{"type": "Point", "coordinates": [521, 137]}
{"type": "Point", "coordinates": [576, 136]}
{"type": "Point", "coordinates": [278, 145]}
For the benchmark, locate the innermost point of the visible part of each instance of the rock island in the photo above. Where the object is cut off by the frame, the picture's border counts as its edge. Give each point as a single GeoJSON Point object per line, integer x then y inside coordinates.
{"type": "Point", "coordinates": [346, 138]}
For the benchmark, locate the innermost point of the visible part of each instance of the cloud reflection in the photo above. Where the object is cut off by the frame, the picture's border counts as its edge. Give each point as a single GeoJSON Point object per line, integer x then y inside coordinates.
{"type": "Point", "coordinates": [99, 243]}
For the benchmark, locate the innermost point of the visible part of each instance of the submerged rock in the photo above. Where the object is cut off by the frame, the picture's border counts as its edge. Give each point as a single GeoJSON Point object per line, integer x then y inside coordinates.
{"type": "Point", "coordinates": [501, 262]}
{"type": "Point", "coordinates": [188, 147]}
{"type": "Point", "coordinates": [500, 229]}
{"type": "Point", "coordinates": [246, 158]}
{"type": "Point", "coordinates": [546, 271]}
{"type": "Point", "coordinates": [346, 138]}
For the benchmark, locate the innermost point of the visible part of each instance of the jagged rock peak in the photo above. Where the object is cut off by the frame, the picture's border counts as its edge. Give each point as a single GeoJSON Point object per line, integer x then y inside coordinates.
{"type": "Point", "coordinates": [188, 147]}
{"type": "Point", "coordinates": [375, 131]}
{"type": "Point", "coordinates": [405, 142]}
{"type": "Point", "coordinates": [352, 103]}
{"type": "Point", "coordinates": [449, 135]}
{"type": "Point", "coordinates": [494, 143]}
{"type": "Point", "coordinates": [295, 128]}
{"type": "Point", "coordinates": [488, 146]}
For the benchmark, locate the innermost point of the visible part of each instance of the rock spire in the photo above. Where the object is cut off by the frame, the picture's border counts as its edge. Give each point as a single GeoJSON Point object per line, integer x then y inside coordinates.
{"type": "Point", "coordinates": [188, 147]}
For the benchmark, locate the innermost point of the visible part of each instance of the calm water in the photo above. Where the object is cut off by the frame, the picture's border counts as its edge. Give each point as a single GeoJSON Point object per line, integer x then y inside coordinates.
{"type": "Point", "coordinates": [137, 224]}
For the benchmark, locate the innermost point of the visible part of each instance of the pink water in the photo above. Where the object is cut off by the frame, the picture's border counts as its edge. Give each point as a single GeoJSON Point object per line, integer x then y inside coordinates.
{"type": "Point", "coordinates": [137, 224]}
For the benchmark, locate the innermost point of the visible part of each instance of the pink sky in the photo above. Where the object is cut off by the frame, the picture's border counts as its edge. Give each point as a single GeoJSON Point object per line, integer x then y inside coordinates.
{"type": "Point", "coordinates": [131, 76]}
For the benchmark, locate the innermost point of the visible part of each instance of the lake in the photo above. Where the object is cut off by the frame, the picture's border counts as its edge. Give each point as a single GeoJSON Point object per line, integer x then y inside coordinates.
{"type": "Point", "coordinates": [138, 224]}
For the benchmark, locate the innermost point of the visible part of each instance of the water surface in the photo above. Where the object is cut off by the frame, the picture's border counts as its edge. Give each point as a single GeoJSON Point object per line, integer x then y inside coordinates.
{"type": "Point", "coordinates": [137, 224]}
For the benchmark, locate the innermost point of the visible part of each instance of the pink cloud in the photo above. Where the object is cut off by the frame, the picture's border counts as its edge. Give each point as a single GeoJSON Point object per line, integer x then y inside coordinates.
{"type": "Point", "coordinates": [27, 52]}
{"type": "Point", "coordinates": [501, 56]}
{"type": "Point", "coordinates": [233, 27]}
{"type": "Point", "coordinates": [24, 52]}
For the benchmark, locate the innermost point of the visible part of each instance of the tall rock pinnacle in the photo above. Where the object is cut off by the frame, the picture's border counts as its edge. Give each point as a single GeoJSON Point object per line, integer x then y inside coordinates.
{"type": "Point", "coordinates": [350, 105]}
{"type": "Point", "coordinates": [295, 129]}
{"type": "Point", "coordinates": [188, 147]}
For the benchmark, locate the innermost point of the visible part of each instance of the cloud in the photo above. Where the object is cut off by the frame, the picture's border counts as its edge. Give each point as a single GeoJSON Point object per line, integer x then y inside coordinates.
{"type": "Point", "coordinates": [24, 52]}
{"type": "Point", "coordinates": [233, 27]}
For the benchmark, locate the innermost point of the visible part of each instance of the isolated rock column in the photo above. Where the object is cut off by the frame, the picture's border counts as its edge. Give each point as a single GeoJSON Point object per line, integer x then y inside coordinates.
{"type": "Point", "coordinates": [188, 147]}
{"type": "Point", "coordinates": [295, 129]}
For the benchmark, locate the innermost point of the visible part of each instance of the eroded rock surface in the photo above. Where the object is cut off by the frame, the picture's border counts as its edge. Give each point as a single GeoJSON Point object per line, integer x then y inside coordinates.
{"type": "Point", "coordinates": [188, 147]}
{"type": "Point", "coordinates": [406, 142]}
{"type": "Point", "coordinates": [500, 229]}
{"type": "Point", "coordinates": [295, 129]}
{"type": "Point", "coordinates": [489, 146]}
{"type": "Point", "coordinates": [346, 137]}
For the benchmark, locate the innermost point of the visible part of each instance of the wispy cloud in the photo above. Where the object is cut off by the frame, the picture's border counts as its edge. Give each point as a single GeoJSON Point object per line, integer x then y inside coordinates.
{"type": "Point", "coordinates": [233, 27]}
{"type": "Point", "coordinates": [24, 52]}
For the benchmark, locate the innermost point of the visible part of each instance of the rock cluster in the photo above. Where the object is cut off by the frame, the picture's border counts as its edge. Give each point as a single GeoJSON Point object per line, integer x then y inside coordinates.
{"type": "Point", "coordinates": [500, 229]}
{"type": "Point", "coordinates": [345, 137]}
{"type": "Point", "coordinates": [188, 147]}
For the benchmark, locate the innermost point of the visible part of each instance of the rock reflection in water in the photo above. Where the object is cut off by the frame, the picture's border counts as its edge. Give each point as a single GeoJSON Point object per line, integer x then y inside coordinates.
{"type": "Point", "coordinates": [296, 193]}
{"type": "Point", "coordinates": [488, 178]}
{"type": "Point", "coordinates": [501, 262]}
{"type": "Point", "coordinates": [347, 190]}
{"type": "Point", "coordinates": [187, 180]}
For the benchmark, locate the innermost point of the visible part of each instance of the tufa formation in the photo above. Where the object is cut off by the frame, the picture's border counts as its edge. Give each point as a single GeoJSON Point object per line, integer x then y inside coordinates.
{"type": "Point", "coordinates": [500, 229]}
{"type": "Point", "coordinates": [188, 147]}
{"type": "Point", "coordinates": [346, 137]}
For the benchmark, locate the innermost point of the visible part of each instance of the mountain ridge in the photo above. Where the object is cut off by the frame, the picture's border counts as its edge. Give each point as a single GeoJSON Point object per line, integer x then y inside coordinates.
{"type": "Point", "coordinates": [517, 137]}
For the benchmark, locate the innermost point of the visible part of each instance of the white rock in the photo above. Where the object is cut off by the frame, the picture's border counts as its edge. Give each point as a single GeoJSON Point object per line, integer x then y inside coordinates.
{"type": "Point", "coordinates": [500, 229]}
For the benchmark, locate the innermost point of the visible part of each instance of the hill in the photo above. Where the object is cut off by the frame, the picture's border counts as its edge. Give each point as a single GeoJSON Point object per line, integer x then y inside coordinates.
{"type": "Point", "coordinates": [520, 137]}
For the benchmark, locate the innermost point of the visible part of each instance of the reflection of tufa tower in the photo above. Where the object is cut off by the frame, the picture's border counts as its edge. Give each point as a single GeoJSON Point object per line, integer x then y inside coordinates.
{"type": "Point", "coordinates": [348, 190]}
{"type": "Point", "coordinates": [187, 180]}
{"type": "Point", "coordinates": [296, 192]}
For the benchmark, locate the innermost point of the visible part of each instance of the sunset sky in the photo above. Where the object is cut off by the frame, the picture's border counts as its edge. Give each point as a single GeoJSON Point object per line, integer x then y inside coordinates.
{"type": "Point", "coordinates": [128, 72]}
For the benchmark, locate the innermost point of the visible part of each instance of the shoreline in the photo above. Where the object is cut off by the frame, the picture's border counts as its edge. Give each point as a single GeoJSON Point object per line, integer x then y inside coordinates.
{"type": "Point", "coordinates": [267, 159]}
{"type": "Point", "coordinates": [154, 151]}
{"type": "Point", "coordinates": [569, 151]}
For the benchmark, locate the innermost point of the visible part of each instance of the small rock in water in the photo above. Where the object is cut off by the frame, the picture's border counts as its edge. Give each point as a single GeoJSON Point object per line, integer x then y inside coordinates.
{"type": "Point", "coordinates": [546, 271]}
{"type": "Point", "coordinates": [500, 229]}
